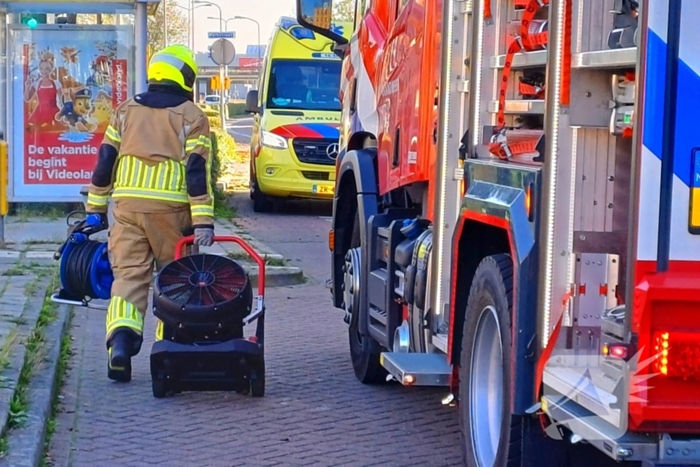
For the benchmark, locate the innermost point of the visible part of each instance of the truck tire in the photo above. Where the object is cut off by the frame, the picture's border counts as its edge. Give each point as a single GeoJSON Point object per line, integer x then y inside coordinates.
{"type": "Point", "coordinates": [491, 435]}
{"type": "Point", "coordinates": [365, 362]}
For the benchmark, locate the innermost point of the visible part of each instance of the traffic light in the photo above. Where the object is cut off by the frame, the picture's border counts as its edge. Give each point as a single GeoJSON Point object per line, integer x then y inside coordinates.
{"type": "Point", "coordinates": [215, 83]}
{"type": "Point", "coordinates": [32, 20]}
{"type": "Point", "coordinates": [227, 83]}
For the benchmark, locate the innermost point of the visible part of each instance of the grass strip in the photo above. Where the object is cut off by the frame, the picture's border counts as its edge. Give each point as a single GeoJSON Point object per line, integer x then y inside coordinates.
{"type": "Point", "coordinates": [66, 354]}
{"type": "Point", "coordinates": [34, 357]}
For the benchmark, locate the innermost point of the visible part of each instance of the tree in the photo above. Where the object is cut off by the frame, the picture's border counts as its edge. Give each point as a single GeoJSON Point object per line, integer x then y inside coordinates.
{"type": "Point", "coordinates": [177, 22]}
{"type": "Point", "coordinates": [343, 10]}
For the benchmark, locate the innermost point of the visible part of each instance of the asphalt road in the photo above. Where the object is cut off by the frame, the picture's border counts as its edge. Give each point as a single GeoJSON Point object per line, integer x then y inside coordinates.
{"type": "Point", "coordinates": [240, 129]}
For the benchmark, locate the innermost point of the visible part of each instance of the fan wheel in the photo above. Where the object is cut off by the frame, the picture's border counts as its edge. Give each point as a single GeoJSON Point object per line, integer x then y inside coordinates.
{"type": "Point", "coordinates": [203, 296]}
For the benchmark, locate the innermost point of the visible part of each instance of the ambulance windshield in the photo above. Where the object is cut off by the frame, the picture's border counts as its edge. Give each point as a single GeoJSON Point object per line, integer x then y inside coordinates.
{"type": "Point", "coordinates": [304, 85]}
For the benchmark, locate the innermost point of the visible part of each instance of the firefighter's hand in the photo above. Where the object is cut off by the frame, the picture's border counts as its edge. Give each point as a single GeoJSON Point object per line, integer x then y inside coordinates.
{"type": "Point", "coordinates": [204, 236]}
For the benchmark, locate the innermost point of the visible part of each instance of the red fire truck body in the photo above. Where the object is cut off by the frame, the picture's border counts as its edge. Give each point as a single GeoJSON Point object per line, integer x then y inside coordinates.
{"type": "Point", "coordinates": [517, 217]}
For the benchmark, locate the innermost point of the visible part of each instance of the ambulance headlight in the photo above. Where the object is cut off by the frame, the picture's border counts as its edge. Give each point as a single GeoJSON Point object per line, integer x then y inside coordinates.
{"type": "Point", "coordinates": [272, 140]}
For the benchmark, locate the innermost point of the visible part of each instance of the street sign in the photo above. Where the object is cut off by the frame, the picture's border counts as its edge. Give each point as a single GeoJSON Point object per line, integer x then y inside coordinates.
{"type": "Point", "coordinates": [223, 52]}
{"type": "Point", "coordinates": [255, 50]}
{"type": "Point", "coordinates": [222, 35]}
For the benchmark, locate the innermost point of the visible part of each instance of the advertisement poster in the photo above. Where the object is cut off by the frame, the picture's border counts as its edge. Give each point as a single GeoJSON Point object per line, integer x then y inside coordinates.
{"type": "Point", "coordinates": [67, 83]}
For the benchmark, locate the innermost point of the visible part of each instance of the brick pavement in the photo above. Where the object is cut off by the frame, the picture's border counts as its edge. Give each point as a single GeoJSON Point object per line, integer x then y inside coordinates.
{"type": "Point", "coordinates": [314, 412]}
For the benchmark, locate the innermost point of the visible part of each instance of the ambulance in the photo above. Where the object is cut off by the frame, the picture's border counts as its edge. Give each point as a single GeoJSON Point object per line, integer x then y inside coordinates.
{"type": "Point", "coordinates": [296, 112]}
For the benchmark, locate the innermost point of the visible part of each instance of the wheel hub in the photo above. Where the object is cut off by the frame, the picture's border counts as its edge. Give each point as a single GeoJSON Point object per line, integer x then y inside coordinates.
{"type": "Point", "coordinates": [486, 402]}
{"type": "Point", "coordinates": [351, 282]}
{"type": "Point", "coordinates": [202, 279]}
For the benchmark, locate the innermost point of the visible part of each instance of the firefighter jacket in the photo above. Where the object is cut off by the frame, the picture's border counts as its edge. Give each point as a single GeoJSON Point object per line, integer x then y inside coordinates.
{"type": "Point", "coordinates": [155, 157]}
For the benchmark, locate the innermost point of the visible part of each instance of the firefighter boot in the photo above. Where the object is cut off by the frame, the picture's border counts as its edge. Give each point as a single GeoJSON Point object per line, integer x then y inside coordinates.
{"type": "Point", "coordinates": [123, 344]}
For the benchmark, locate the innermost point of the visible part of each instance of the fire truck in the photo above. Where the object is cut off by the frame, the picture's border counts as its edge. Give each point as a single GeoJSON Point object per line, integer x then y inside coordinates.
{"type": "Point", "coordinates": [517, 218]}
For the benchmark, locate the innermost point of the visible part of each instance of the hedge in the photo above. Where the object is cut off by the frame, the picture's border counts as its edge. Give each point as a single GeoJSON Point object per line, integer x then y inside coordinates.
{"type": "Point", "coordinates": [233, 109]}
{"type": "Point", "coordinates": [214, 118]}
{"type": "Point", "coordinates": [223, 147]}
{"type": "Point", "coordinates": [236, 109]}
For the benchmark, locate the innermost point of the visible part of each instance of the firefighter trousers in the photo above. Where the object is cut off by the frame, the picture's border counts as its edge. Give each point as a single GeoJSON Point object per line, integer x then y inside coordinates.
{"type": "Point", "coordinates": [136, 242]}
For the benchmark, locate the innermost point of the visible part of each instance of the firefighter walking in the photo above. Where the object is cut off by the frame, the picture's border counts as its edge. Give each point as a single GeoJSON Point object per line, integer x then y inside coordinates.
{"type": "Point", "coordinates": [155, 163]}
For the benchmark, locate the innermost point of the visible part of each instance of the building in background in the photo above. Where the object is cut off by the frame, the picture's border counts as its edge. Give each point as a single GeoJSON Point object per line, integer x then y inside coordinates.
{"type": "Point", "coordinates": [243, 72]}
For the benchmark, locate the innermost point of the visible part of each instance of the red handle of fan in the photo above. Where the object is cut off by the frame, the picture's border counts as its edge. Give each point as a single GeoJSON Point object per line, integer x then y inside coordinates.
{"type": "Point", "coordinates": [189, 240]}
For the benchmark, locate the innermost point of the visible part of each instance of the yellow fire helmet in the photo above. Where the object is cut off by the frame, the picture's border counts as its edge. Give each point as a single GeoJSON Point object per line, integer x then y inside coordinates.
{"type": "Point", "coordinates": [174, 64]}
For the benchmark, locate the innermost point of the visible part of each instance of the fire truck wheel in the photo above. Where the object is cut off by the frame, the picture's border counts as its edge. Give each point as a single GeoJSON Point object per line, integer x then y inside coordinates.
{"type": "Point", "coordinates": [490, 434]}
{"type": "Point", "coordinates": [365, 362]}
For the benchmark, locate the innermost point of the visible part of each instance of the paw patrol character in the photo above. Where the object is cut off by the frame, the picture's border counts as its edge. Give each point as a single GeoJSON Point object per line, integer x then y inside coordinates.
{"type": "Point", "coordinates": [75, 111]}
{"type": "Point", "coordinates": [101, 76]}
{"type": "Point", "coordinates": [102, 109]}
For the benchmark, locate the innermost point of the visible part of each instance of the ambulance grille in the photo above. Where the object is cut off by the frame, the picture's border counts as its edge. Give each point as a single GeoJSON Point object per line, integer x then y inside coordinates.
{"type": "Point", "coordinates": [315, 175]}
{"type": "Point", "coordinates": [314, 151]}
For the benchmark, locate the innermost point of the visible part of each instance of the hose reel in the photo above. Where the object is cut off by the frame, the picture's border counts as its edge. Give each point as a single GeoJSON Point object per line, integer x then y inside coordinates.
{"type": "Point", "coordinates": [84, 270]}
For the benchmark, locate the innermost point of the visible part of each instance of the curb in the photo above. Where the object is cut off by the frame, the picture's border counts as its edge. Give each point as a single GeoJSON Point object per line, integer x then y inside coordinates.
{"type": "Point", "coordinates": [27, 443]}
{"type": "Point", "coordinates": [261, 248]}
{"type": "Point", "coordinates": [275, 276]}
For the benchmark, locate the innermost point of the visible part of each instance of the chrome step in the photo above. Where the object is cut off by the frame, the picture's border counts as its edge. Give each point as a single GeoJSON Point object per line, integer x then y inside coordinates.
{"type": "Point", "coordinates": [614, 442]}
{"type": "Point", "coordinates": [589, 387]}
{"type": "Point", "coordinates": [417, 369]}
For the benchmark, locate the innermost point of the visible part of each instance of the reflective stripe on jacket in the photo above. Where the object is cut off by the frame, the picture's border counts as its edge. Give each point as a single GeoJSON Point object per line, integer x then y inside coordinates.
{"type": "Point", "coordinates": [156, 148]}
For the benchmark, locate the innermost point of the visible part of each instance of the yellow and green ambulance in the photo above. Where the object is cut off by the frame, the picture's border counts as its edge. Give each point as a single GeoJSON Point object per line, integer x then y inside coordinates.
{"type": "Point", "coordinates": [296, 112]}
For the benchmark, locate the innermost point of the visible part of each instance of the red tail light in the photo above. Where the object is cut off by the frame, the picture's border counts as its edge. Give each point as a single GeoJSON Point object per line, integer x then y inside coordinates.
{"type": "Point", "coordinates": [677, 354]}
{"type": "Point", "coordinates": [667, 327]}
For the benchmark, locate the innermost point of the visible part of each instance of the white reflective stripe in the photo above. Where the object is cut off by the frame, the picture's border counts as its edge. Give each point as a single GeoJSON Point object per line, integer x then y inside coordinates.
{"type": "Point", "coordinates": [169, 59]}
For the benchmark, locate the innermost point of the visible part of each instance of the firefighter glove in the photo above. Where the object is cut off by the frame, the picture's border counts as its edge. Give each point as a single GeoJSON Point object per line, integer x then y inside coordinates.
{"type": "Point", "coordinates": [204, 236]}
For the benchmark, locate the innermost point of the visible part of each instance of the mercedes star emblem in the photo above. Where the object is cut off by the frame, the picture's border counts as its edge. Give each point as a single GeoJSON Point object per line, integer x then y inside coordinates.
{"type": "Point", "coordinates": [332, 150]}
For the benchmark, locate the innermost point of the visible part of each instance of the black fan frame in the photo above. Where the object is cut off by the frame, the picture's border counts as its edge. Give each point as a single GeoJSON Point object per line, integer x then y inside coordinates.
{"type": "Point", "coordinates": [220, 304]}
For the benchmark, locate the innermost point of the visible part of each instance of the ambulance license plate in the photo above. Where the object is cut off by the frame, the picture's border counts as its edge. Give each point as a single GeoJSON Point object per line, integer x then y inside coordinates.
{"type": "Point", "coordinates": [322, 190]}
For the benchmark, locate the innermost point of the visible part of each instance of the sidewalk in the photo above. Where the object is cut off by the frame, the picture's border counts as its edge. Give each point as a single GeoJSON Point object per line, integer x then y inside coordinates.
{"type": "Point", "coordinates": [32, 329]}
{"type": "Point", "coordinates": [30, 337]}
{"type": "Point", "coordinates": [40, 237]}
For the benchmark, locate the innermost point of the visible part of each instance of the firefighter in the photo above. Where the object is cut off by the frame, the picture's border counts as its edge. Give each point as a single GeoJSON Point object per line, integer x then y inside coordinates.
{"type": "Point", "coordinates": [155, 162]}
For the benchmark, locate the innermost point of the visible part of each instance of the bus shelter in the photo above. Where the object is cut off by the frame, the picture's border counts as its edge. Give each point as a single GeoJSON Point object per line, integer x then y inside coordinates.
{"type": "Point", "coordinates": [66, 65]}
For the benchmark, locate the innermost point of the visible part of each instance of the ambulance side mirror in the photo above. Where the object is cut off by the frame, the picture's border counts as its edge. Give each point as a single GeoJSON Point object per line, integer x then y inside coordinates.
{"type": "Point", "coordinates": [316, 15]}
{"type": "Point", "coordinates": [251, 102]}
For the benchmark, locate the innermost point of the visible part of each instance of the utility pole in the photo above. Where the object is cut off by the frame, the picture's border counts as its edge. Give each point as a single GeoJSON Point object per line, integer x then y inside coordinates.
{"type": "Point", "coordinates": [191, 28]}
{"type": "Point", "coordinates": [223, 69]}
{"type": "Point", "coordinates": [165, 23]}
